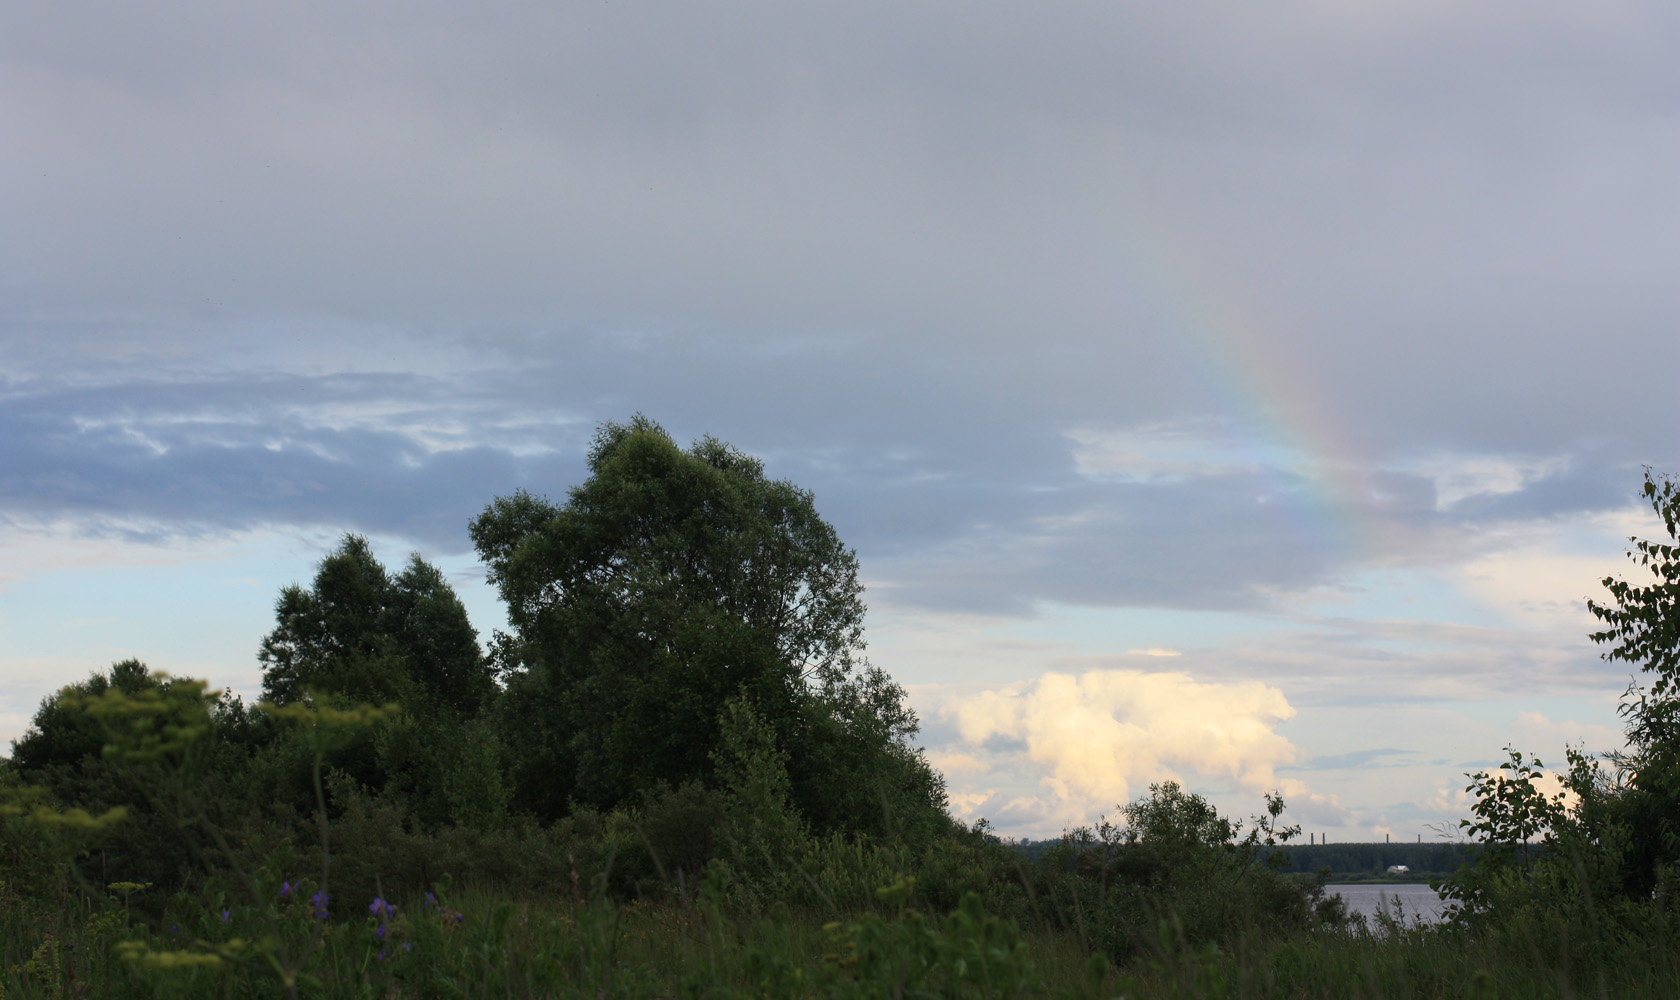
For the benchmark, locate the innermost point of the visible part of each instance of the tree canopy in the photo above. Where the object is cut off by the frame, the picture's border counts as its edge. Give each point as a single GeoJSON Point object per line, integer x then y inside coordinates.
{"type": "Point", "coordinates": [364, 635]}
{"type": "Point", "coordinates": [670, 582]}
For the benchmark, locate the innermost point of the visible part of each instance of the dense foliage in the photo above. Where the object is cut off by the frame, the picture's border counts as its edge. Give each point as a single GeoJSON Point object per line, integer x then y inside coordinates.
{"type": "Point", "coordinates": [671, 583]}
{"type": "Point", "coordinates": [366, 636]}
{"type": "Point", "coordinates": [678, 776]}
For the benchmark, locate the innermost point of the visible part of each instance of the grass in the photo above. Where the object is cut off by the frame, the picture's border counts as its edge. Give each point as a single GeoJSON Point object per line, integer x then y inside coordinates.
{"type": "Point", "coordinates": [482, 944]}
{"type": "Point", "coordinates": [485, 945]}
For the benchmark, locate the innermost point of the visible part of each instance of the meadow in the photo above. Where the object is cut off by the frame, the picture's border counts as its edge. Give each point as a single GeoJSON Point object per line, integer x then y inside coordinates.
{"type": "Point", "coordinates": [493, 941]}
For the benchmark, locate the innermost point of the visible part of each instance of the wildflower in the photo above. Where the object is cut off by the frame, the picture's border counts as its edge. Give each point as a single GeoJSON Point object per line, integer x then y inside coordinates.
{"type": "Point", "coordinates": [320, 901]}
{"type": "Point", "coordinates": [379, 932]}
{"type": "Point", "coordinates": [174, 929]}
{"type": "Point", "coordinates": [408, 946]}
{"type": "Point", "coordinates": [286, 890]}
{"type": "Point", "coordinates": [226, 916]}
{"type": "Point", "coordinates": [431, 901]}
{"type": "Point", "coordinates": [380, 908]}
{"type": "Point", "coordinates": [381, 956]}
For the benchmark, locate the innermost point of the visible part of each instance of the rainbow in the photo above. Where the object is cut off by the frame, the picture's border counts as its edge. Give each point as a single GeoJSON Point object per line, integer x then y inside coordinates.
{"type": "Point", "coordinates": [1289, 426]}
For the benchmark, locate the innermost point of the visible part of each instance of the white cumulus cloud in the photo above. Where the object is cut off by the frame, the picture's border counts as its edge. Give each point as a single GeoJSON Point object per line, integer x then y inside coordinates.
{"type": "Point", "coordinates": [1095, 739]}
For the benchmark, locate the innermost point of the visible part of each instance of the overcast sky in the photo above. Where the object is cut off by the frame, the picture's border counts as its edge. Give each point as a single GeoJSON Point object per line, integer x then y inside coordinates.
{"type": "Point", "coordinates": [1248, 396]}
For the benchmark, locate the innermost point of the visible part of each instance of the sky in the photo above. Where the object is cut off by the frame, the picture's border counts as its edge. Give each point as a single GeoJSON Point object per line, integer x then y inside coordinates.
{"type": "Point", "coordinates": [1249, 396]}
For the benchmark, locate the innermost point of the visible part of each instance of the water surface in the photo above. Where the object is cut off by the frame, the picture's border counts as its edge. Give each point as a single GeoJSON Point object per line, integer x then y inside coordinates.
{"type": "Point", "coordinates": [1406, 900]}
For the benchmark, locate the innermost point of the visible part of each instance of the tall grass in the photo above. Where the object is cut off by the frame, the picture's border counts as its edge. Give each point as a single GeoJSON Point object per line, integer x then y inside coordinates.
{"type": "Point", "coordinates": [489, 945]}
{"type": "Point", "coordinates": [486, 943]}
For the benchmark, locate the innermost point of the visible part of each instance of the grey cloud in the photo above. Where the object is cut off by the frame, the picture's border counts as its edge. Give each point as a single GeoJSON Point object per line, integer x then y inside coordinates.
{"type": "Point", "coordinates": [958, 492]}
{"type": "Point", "coordinates": [962, 175]}
{"type": "Point", "coordinates": [225, 456]}
{"type": "Point", "coordinates": [900, 250]}
{"type": "Point", "coordinates": [1130, 544]}
{"type": "Point", "coordinates": [1592, 483]}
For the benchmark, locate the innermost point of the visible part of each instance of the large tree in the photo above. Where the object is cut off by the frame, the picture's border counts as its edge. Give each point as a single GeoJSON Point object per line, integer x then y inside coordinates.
{"type": "Point", "coordinates": [670, 582]}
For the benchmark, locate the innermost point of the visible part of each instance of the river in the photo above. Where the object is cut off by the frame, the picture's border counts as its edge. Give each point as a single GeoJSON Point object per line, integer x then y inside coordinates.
{"type": "Point", "coordinates": [1414, 901]}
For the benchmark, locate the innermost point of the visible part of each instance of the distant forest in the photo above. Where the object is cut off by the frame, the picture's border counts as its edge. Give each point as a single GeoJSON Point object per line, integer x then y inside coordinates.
{"type": "Point", "coordinates": [1340, 859]}
{"type": "Point", "coordinates": [1371, 859]}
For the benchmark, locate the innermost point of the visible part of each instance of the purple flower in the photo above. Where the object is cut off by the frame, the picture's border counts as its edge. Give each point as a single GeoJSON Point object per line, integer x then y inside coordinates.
{"type": "Point", "coordinates": [174, 929]}
{"type": "Point", "coordinates": [226, 916]}
{"type": "Point", "coordinates": [320, 901]}
{"type": "Point", "coordinates": [379, 932]}
{"type": "Point", "coordinates": [408, 946]}
{"type": "Point", "coordinates": [286, 890]}
{"type": "Point", "coordinates": [381, 956]}
{"type": "Point", "coordinates": [431, 901]}
{"type": "Point", "coordinates": [380, 908]}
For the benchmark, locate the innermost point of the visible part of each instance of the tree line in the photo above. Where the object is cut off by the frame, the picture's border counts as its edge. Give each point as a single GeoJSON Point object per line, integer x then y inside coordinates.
{"type": "Point", "coordinates": [677, 600]}
{"type": "Point", "coordinates": [1436, 859]}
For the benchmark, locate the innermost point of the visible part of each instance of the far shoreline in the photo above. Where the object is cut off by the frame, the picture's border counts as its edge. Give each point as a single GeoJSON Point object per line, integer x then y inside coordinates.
{"type": "Point", "coordinates": [1353, 878]}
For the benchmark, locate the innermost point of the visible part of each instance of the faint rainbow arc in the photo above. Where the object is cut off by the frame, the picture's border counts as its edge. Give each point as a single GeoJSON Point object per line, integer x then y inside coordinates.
{"type": "Point", "coordinates": [1269, 396]}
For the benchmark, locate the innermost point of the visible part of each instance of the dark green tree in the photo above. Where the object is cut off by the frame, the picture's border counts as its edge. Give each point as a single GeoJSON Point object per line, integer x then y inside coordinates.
{"type": "Point", "coordinates": [671, 582]}
{"type": "Point", "coordinates": [61, 734]}
{"type": "Point", "coordinates": [64, 752]}
{"type": "Point", "coordinates": [366, 636]}
{"type": "Point", "coordinates": [358, 634]}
